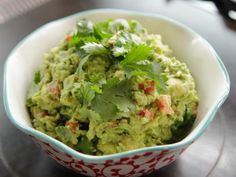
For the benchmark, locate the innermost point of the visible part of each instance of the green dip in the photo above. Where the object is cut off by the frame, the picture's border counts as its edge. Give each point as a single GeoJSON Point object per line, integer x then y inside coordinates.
{"type": "Point", "coordinates": [112, 87]}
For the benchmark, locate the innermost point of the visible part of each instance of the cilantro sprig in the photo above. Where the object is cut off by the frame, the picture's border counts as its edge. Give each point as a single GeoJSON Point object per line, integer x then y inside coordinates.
{"type": "Point", "coordinates": [134, 58]}
{"type": "Point", "coordinates": [137, 63]}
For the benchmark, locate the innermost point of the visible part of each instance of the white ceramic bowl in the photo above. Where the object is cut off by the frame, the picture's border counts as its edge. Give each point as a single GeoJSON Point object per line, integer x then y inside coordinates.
{"type": "Point", "coordinates": [211, 78]}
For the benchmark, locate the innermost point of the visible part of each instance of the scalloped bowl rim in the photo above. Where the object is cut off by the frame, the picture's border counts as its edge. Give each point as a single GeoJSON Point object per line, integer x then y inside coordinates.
{"type": "Point", "coordinates": [183, 143]}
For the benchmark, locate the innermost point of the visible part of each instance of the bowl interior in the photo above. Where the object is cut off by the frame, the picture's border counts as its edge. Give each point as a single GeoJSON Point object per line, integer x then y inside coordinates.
{"type": "Point", "coordinates": [208, 71]}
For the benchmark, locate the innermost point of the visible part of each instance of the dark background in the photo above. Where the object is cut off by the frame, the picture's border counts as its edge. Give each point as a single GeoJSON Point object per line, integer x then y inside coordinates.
{"type": "Point", "coordinates": [214, 154]}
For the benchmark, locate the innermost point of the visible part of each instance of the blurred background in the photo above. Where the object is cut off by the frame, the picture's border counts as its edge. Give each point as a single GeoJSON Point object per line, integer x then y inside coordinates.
{"type": "Point", "coordinates": [12, 8]}
{"type": "Point", "coordinates": [214, 20]}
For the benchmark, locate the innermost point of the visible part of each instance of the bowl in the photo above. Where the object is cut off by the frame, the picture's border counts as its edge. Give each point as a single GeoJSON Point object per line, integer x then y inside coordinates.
{"type": "Point", "coordinates": [211, 78]}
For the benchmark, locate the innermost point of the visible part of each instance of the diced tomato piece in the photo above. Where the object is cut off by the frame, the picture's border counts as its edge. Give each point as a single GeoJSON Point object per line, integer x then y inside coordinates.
{"type": "Point", "coordinates": [141, 86]}
{"type": "Point", "coordinates": [142, 113]}
{"type": "Point", "coordinates": [149, 90]}
{"type": "Point", "coordinates": [114, 125]}
{"type": "Point", "coordinates": [164, 104]}
{"type": "Point", "coordinates": [160, 104]}
{"type": "Point", "coordinates": [145, 113]}
{"type": "Point", "coordinates": [148, 87]}
{"type": "Point", "coordinates": [68, 38]}
{"type": "Point", "coordinates": [149, 114]}
{"type": "Point", "coordinates": [54, 89]}
{"type": "Point", "coordinates": [72, 125]}
{"type": "Point", "coordinates": [44, 113]}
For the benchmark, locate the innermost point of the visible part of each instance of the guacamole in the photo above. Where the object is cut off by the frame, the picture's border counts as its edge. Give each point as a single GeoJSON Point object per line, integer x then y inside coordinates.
{"type": "Point", "coordinates": [111, 87]}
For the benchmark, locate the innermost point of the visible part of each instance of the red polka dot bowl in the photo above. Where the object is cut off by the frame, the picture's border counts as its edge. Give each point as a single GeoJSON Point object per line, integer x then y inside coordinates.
{"type": "Point", "coordinates": [211, 78]}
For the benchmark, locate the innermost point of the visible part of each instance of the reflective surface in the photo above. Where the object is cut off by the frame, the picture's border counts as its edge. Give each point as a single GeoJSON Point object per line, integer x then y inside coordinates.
{"type": "Point", "coordinates": [214, 154]}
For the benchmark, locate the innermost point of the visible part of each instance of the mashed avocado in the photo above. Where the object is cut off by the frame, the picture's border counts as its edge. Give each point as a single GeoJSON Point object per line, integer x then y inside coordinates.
{"type": "Point", "coordinates": [112, 87]}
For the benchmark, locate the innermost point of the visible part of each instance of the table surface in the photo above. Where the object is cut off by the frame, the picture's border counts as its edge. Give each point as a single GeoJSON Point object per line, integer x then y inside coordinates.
{"type": "Point", "coordinates": [214, 154]}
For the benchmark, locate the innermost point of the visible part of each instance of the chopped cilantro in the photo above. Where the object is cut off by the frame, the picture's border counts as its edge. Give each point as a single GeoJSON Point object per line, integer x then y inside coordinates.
{"type": "Point", "coordinates": [37, 77]}
{"type": "Point", "coordinates": [85, 146]}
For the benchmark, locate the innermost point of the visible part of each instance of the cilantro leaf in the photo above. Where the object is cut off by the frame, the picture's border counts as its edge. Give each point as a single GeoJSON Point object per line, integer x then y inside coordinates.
{"type": "Point", "coordinates": [113, 99]}
{"type": "Point", "coordinates": [79, 41]}
{"type": "Point", "coordinates": [111, 82]}
{"type": "Point", "coordinates": [85, 146]}
{"type": "Point", "coordinates": [136, 54]}
{"type": "Point", "coordinates": [119, 51]}
{"type": "Point", "coordinates": [136, 27]}
{"type": "Point", "coordinates": [84, 93]}
{"type": "Point", "coordinates": [96, 88]}
{"type": "Point", "coordinates": [88, 113]}
{"type": "Point", "coordinates": [118, 25]}
{"type": "Point", "coordinates": [119, 95]}
{"type": "Point", "coordinates": [101, 30]}
{"type": "Point", "coordinates": [151, 71]}
{"type": "Point", "coordinates": [122, 103]}
{"type": "Point", "coordinates": [104, 107]}
{"type": "Point", "coordinates": [84, 27]}
{"type": "Point", "coordinates": [136, 63]}
{"type": "Point", "coordinates": [93, 48]}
